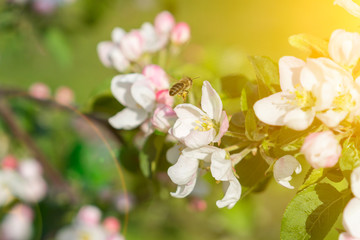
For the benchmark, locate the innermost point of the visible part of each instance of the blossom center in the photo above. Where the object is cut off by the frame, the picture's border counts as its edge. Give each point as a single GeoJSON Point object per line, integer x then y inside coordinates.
{"type": "Point", "coordinates": [344, 102]}
{"type": "Point", "coordinates": [205, 124]}
{"type": "Point", "coordinates": [304, 99]}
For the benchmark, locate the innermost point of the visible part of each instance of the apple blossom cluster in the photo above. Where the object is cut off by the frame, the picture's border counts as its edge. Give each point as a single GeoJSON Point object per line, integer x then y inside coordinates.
{"type": "Point", "coordinates": [197, 130]}
{"type": "Point", "coordinates": [44, 7]}
{"type": "Point", "coordinates": [87, 225]}
{"type": "Point", "coordinates": [131, 50]}
{"type": "Point", "coordinates": [21, 180]}
{"type": "Point", "coordinates": [146, 99]}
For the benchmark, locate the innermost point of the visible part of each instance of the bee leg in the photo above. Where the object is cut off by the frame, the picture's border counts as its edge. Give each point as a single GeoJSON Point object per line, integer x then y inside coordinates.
{"type": "Point", "coordinates": [184, 94]}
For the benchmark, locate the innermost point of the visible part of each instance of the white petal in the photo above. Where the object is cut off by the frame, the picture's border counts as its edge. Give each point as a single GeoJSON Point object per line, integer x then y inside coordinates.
{"type": "Point", "coordinates": [203, 153]}
{"type": "Point", "coordinates": [325, 94]}
{"type": "Point", "coordinates": [104, 50]}
{"type": "Point", "coordinates": [184, 170]}
{"type": "Point", "coordinates": [355, 182]}
{"type": "Point", "coordinates": [184, 190]}
{"type": "Point", "coordinates": [211, 102]}
{"type": "Point", "coordinates": [290, 68]}
{"type": "Point", "coordinates": [121, 85]}
{"type": "Point", "coordinates": [118, 60]}
{"type": "Point", "coordinates": [144, 95]}
{"type": "Point", "coordinates": [188, 111]}
{"type": "Point", "coordinates": [332, 118]}
{"type": "Point", "coordinates": [232, 195]}
{"type": "Point", "coordinates": [173, 154]}
{"type": "Point", "coordinates": [272, 109]}
{"type": "Point", "coordinates": [224, 126]}
{"type": "Point", "coordinates": [344, 47]}
{"type": "Point", "coordinates": [128, 118]}
{"type": "Point", "coordinates": [221, 168]}
{"type": "Point", "coordinates": [351, 217]}
{"type": "Point", "coordinates": [298, 119]}
{"type": "Point", "coordinates": [117, 34]}
{"type": "Point", "coordinates": [349, 6]}
{"type": "Point", "coordinates": [198, 139]}
{"type": "Point", "coordinates": [181, 129]}
{"type": "Point", "coordinates": [284, 168]}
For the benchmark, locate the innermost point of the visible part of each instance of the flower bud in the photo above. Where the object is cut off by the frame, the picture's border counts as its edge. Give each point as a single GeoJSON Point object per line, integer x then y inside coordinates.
{"type": "Point", "coordinates": [321, 149]}
{"type": "Point", "coordinates": [198, 205]}
{"type": "Point", "coordinates": [45, 7]}
{"type": "Point", "coordinates": [118, 60]}
{"type": "Point", "coordinates": [18, 223]}
{"type": "Point", "coordinates": [117, 35]}
{"type": "Point", "coordinates": [89, 215]}
{"type": "Point", "coordinates": [132, 45]}
{"type": "Point", "coordinates": [344, 47]}
{"type": "Point", "coordinates": [164, 22]}
{"type": "Point", "coordinates": [180, 34]}
{"type": "Point", "coordinates": [30, 168]}
{"type": "Point", "coordinates": [112, 225]}
{"type": "Point", "coordinates": [351, 217]}
{"type": "Point", "coordinates": [164, 117]}
{"type": "Point", "coordinates": [39, 91]}
{"type": "Point", "coordinates": [64, 96]}
{"type": "Point", "coordinates": [9, 162]}
{"type": "Point", "coordinates": [157, 76]}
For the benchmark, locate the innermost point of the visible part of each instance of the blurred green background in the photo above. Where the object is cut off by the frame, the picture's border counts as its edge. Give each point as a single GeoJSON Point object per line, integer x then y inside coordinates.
{"type": "Point", "coordinates": [60, 50]}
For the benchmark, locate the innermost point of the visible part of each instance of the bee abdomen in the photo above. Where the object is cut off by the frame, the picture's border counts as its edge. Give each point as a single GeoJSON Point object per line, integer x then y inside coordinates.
{"type": "Point", "coordinates": [176, 88]}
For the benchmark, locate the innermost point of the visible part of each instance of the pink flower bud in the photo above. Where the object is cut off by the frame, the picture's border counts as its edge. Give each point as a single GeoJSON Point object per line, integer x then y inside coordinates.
{"type": "Point", "coordinates": [351, 217]}
{"type": "Point", "coordinates": [89, 215]}
{"type": "Point", "coordinates": [157, 76]}
{"type": "Point", "coordinates": [164, 22]}
{"type": "Point", "coordinates": [163, 97]}
{"type": "Point", "coordinates": [132, 45]}
{"type": "Point", "coordinates": [163, 118]}
{"type": "Point", "coordinates": [321, 149]}
{"type": "Point", "coordinates": [39, 91]}
{"type": "Point", "coordinates": [18, 223]}
{"type": "Point", "coordinates": [112, 225]}
{"type": "Point", "coordinates": [180, 34]}
{"type": "Point", "coordinates": [9, 162]}
{"type": "Point", "coordinates": [64, 96]}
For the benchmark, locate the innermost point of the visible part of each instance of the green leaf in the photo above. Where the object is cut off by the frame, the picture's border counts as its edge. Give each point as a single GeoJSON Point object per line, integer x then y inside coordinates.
{"type": "Point", "coordinates": [350, 157]}
{"type": "Point", "coordinates": [267, 71]}
{"type": "Point", "coordinates": [105, 103]}
{"type": "Point", "coordinates": [311, 45]}
{"type": "Point", "coordinates": [243, 101]}
{"type": "Point", "coordinates": [252, 128]}
{"type": "Point", "coordinates": [313, 176]}
{"type": "Point", "coordinates": [313, 212]}
{"type": "Point", "coordinates": [150, 153]}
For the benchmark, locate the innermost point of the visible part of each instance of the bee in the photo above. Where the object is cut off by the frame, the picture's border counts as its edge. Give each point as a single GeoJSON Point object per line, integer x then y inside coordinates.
{"type": "Point", "coordinates": [182, 87]}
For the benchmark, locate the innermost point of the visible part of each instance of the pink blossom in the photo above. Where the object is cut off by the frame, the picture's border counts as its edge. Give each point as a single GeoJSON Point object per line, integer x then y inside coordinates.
{"type": "Point", "coordinates": [9, 162]}
{"type": "Point", "coordinates": [321, 149]}
{"type": "Point", "coordinates": [180, 34]}
{"type": "Point", "coordinates": [163, 118]}
{"type": "Point", "coordinates": [132, 45]}
{"type": "Point", "coordinates": [164, 22]}
{"type": "Point", "coordinates": [163, 97]}
{"type": "Point", "coordinates": [111, 224]}
{"type": "Point", "coordinates": [39, 91]}
{"type": "Point", "coordinates": [89, 215]}
{"type": "Point", "coordinates": [64, 96]}
{"type": "Point", "coordinates": [157, 76]}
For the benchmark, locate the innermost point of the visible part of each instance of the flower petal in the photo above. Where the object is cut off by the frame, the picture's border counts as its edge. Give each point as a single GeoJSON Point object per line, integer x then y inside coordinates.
{"type": "Point", "coordinates": [232, 195]}
{"type": "Point", "coordinates": [349, 6]}
{"type": "Point", "coordinates": [184, 170]}
{"type": "Point", "coordinates": [298, 119]}
{"type": "Point", "coordinates": [284, 168]}
{"type": "Point", "coordinates": [188, 111]}
{"type": "Point", "coordinates": [355, 182]}
{"type": "Point", "coordinates": [120, 88]}
{"type": "Point", "coordinates": [173, 154]}
{"type": "Point", "coordinates": [272, 109]}
{"type": "Point", "coordinates": [104, 49]}
{"type": "Point", "coordinates": [144, 95]}
{"type": "Point", "coordinates": [224, 126]}
{"type": "Point", "coordinates": [184, 190]}
{"type": "Point", "coordinates": [290, 69]}
{"type": "Point", "coordinates": [344, 47]}
{"type": "Point", "coordinates": [332, 118]}
{"type": "Point", "coordinates": [351, 217]}
{"type": "Point", "coordinates": [198, 139]}
{"type": "Point", "coordinates": [220, 166]}
{"type": "Point", "coordinates": [128, 118]}
{"type": "Point", "coordinates": [211, 102]}
{"type": "Point", "coordinates": [117, 34]}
